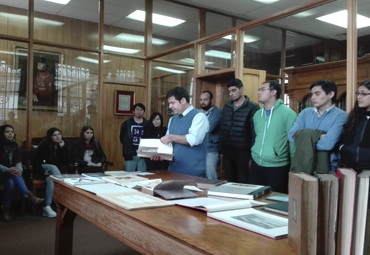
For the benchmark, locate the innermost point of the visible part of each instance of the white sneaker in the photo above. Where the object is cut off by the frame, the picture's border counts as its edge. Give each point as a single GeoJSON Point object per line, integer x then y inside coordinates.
{"type": "Point", "coordinates": [48, 212]}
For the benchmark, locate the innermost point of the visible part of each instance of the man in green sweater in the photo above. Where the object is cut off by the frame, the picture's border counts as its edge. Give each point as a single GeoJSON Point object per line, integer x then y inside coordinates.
{"type": "Point", "coordinates": [272, 152]}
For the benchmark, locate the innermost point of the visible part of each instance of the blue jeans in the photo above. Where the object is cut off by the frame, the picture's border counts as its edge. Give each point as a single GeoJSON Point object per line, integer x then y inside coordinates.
{"type": "Point", "coordinates": [136, 162]}
{"type": "Point", "coordinates": [49, 183]}
{"type": "Point", "coordinates": [11, 182]}
{"type": "Point", "coordinates": [212, 160]}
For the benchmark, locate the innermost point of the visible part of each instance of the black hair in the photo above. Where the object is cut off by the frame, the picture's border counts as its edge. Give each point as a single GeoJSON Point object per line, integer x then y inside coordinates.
{"type": "Point", "coordinates": [235, 82]}
{"type": "Point", "coordinates": [209, 92]}
{"type": "Point", "coordinates": [178, 93]}
{"type": "Point", "coordinates": [354, 116]}
{"type": "Point", "coordinates": [49, 139]}
{"type": "Point", "coordinates": [82, 137]}
{"type": "Point", "coordinates": [140, 105]}
{"type": "Point", "coordinates": [327, 86]}
{"type": "Point", "coordinates": [274, 85]}
{"type": "Point", "coordinates": [152, 117]}
{"type": "Point", "coordinates": [16, 157]}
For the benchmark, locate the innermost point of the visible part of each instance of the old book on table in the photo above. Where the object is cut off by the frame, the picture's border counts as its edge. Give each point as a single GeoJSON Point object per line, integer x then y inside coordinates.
{"type": "Point", "coordinates": [328, 213]}
{"type": "Point", "coordinates": [347, 191]}
{"type": "Point", "coordinates": [254, 220]}
{"type": "Point", "coordinates": [134, 200]}
{"type": "Point", "coordinates": [123, 180]}
{"type": "Point", "coordinates": [360, 243]}
{"type": "Point", "coordinates": [216, 205]}
{"type": "Point", "coordinates": [104, 188]}
{"type": "Point", "coordinates": [173, 189]}
{"type": "Point", "coordinates": [281, 208]}
{"type": "Point", "coordinates": [96, 175]}
{"type": "Point", "coordinates": [279, 198]}
{"type": "Point", "coordinates": [209, 184]}
{"type": "Point", "coordinates": [83, 181]}
{"type": "Point", "coordinates": [302, 215]}
{"type": "Point", "coordinates": [64, 176]}
{"type": "Point", "coordinates": [154, 147]}
{"type": "Point", "coordinates": [239, 190]}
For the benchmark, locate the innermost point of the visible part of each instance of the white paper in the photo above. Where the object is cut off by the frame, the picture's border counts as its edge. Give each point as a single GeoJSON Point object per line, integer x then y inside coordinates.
{"type": "Point", "coordinates": [154, 147]}
{"type": "Point", "coordinates": [104, 188]}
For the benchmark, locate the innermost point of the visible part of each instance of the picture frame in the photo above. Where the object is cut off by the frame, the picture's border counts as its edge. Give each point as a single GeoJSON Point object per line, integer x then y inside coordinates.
{"type": "Point", "coordinates": [123, 102]}
{"type": "Point", "coordinates": [45, 84]}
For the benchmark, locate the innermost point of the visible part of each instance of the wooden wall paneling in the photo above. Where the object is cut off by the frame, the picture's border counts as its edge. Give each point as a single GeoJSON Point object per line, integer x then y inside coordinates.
{"type": "Point", "coordinates": [251, 80]}
{"type": "Point", "coordinates": [29, 91]}
{"type": "Point", "coordinates": [351, 53]}
{"type": "Point", "coordinates": [100, 72]}
{"type": "Point", "coordinates": [283, 62]}
{"type": "Point", "coordinates": [112, 123]}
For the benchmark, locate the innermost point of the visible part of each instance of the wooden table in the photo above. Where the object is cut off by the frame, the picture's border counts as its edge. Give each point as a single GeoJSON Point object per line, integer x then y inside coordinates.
{"type": "Point", "coordinates": [167, 230]}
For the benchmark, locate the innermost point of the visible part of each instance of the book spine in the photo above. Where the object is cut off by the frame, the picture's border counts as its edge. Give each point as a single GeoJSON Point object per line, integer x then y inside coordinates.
{"type": "Point", "coordinates": [261, 192]}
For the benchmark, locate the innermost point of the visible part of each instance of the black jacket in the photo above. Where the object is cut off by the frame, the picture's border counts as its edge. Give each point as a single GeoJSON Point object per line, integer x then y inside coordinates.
{"type": "Point", "coordinates": [355, 148]}
{"type": "Point", "coordinates": [97, 157]}
{"type": "Point", "coordinates": [47, 154]}
{"type": "Point", "coordinates": [126, 139]}
{"type": "Point", "coordinates": [237, 128]}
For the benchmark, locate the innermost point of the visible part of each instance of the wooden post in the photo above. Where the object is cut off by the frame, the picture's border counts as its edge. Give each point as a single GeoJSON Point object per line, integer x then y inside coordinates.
{"type": "Point", "coordinates": [351, 53]}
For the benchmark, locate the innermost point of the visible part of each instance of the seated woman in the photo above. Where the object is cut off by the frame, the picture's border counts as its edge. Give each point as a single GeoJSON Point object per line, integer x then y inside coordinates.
{"type": "Point", "coordinates": [11, 171]}
{"type": "Point", "coordinates": [355, 139]}
{"type": "Point", "coordinates": [88, 152]}
{"type": "Point", "coordinates": [51, 157]}
{"type": "Point", "coordinates": [155, 129]}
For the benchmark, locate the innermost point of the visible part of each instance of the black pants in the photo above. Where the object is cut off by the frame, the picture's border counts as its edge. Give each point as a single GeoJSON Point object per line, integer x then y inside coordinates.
{"type": "Point", "coordinates": [236, 166]}
{"type": "Point", "coordinates": [275, 177]}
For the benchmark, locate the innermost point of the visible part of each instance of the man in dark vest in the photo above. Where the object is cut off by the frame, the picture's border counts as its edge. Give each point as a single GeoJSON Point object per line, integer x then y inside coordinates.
{"type": "Point", "coordinates": [186, 131]}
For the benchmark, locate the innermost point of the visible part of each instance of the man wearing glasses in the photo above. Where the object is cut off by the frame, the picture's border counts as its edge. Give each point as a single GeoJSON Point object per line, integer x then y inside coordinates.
{"type": "Point", "coordinates": [323, 116]}
{"type": "Point", "coordinates": [272, 152]}
{"type": "Point", "coordinates": [236, 135]}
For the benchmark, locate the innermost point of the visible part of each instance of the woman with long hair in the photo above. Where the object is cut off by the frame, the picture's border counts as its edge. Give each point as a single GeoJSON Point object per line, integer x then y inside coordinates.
{"type": "Point", "coordinates": [355, 139]}
{"type": "Point", "coordinates": [155, 129]}
{"type": "Point", "coordinates": [51, 159]}
{"type": "Point", "coordinates": [11, 171]}
{"type": "Point", "coordinates": [88, 152]}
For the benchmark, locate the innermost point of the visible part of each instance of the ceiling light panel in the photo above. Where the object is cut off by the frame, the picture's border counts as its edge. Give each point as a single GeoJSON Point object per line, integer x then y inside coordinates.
{"type": "Point", "coordinates": [139, 39]}
{"type": "Point", "coordinates": [266, 1]}
{"type": "Point", "coordinates": [58, 1]}
{"type": "Point", "coordinates": [157, 19]}
{"type": "Point", "coordinates": [340, 19]}
{"type": "Point", "coordinates": [168, 70]}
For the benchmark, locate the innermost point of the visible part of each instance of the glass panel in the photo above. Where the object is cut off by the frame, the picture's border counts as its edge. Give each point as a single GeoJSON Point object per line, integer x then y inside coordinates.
{"type": "Point", "coordinates": [65, 91]}
{"type": "Point", "coordinates": [219, 53]}
{"type": "Point", "coordinates": [119, 69]}
{"type": "Point", "coordinates": [216, 23]}
{"type": "Point", "coordinates": [172, 34]}
{"type": "Point", "coordinates": [262, 49]}
{"type": "Point", "coordinates": [12, 75]}
{"type": "Point", "coordinates": [364, 32]}
{"type": "Point", "coordinates": [122, 34]}
{"type": "Point", "coordinates": [14, 18]}
{"type": "Point", "coordinates": [75, 23]}
{"type": "Point", "coordinates": [183, 57]}
{"type": "Point", "coordinates": [305, 103]}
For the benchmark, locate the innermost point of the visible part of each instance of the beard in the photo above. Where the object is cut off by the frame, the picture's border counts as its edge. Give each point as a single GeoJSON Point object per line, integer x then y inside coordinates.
{"type": "Point", "coordinates": [207, 107]}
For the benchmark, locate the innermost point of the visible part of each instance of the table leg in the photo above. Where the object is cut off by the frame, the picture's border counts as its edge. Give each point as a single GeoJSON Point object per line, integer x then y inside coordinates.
{"type": "Point", "coordinates": [64, 230]}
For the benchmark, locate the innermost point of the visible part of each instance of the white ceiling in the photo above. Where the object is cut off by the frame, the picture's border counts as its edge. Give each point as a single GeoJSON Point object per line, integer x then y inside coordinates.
{"type": "Point", "coordinates": [117, 10]}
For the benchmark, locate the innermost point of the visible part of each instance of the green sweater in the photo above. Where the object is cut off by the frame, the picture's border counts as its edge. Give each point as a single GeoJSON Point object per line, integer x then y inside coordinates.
{"type": "Point", "coordinates": [271, 147]}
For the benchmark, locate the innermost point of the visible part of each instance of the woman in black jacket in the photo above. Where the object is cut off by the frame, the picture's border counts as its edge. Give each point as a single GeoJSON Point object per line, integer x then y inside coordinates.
{"type": "Point", "coordinates": [155, 129]}
{"type": "Point", "coordinates": [11, 171]}
{"type": "Point", "coordinates": [355, 139]}
{"type": "Point", "coordinates": [51, 159]}
{"type": "Point", "coordinates": [88, 152]}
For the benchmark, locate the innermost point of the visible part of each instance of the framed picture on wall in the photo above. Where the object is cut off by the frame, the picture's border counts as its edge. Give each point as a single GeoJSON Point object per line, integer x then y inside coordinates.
{"type": "Point", "coordinates": [44, 85]}
{"type": "Point", "coordinates": [123, 102]}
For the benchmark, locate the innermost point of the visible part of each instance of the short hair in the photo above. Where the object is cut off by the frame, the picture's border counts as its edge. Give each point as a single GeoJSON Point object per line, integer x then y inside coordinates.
{"type": "Point", "coordinates": [209, 92]}
{"type": "Point", "coordinates": [178, 93]}
{"type": "Point", "coordinates": [327, 86]}
{"type": "Point", "coordinates": [140, 105]}
{"type": "Point", "coordinates": [235, 82]}
{"type": "Point", "coordinates": [274, 85]}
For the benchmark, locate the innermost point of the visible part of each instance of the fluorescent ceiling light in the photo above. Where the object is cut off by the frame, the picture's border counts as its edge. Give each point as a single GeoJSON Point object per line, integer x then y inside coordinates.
{"type": "Point", "coordinates": [91, 60]}
{"type": "Point", "coordinates": [340, 19]}
{"type": "Point", "coordinates": [119, 49]}
{"type": "Point", "coordinates": [218, 54]}
{"type": "Point", "coordinates": [157, 19]}
{"type": "Point", "coordinates": [266, 1]}
{"type": "Point", "coordinates": [247, 38]}
{"type": "Point", "coordinates": [168, 69]}
{"type": "Point", "coordinates": [304, 14]}
{"type": "Point", "coordinates": [191, 61]}
{"type": "Point", "coordinates": [185, 67]}
{"type": "Point", "coordinates": [58, 1]}
{"type": "Point", "coordinates": [139, 39]}
{"type": "Point", "coordinates": [24, 19]}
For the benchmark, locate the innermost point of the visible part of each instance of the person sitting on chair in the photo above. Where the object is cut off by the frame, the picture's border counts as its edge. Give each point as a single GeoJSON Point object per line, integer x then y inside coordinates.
{"type": "Point", "coordinates": [88, 152]}
{"type": "Point", "coordinates": [51, 159]}
{"type": "Point", "coordinates": [11, 171]}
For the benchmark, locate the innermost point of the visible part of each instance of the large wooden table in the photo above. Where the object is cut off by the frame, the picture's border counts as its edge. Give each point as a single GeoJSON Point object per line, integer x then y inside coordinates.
{"type": "Point", "coordinates": [167, 230]}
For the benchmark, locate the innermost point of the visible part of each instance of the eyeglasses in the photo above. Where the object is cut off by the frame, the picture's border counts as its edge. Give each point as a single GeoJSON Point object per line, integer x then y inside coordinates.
{"type": "Point", "coordinates": [263, 89]}
{"type": "Point", "coordinates": [362, 94]}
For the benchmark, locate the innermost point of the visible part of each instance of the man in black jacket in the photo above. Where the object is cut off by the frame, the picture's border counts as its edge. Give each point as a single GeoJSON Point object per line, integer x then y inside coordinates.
{"type": "Point", "coordinates": [132, 131]}
{"type": "Point", "coordinates": [237, 134]}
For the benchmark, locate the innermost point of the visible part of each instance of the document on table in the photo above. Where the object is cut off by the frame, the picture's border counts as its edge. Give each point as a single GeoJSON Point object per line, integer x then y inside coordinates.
{"type": "Point", "coordinates": [154, 147]}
